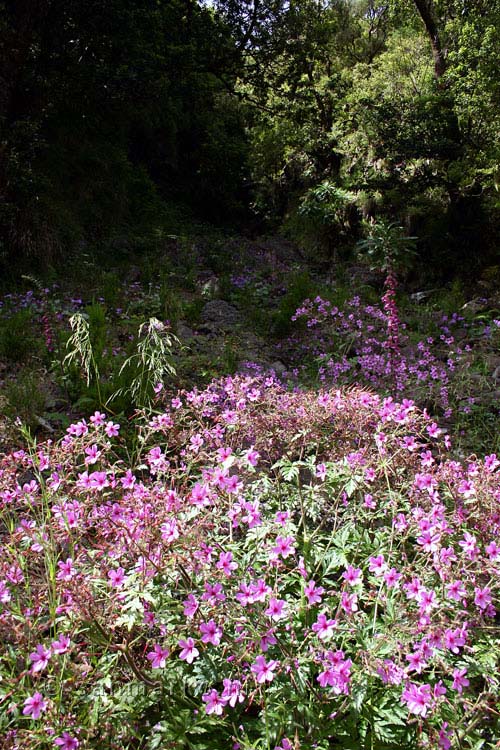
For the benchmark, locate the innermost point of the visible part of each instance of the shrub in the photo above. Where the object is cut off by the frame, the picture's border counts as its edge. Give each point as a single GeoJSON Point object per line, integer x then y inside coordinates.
{"type": "Point", "coordinates": [266, 569]}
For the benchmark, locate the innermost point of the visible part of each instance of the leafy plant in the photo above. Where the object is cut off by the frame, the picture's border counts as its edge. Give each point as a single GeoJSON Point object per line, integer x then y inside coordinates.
{"type": "Point", "coordinates": [275, 569]}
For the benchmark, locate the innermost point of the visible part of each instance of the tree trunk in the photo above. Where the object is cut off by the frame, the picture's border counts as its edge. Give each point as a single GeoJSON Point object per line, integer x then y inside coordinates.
{"type": "Point", "coordinates": [426, 12]}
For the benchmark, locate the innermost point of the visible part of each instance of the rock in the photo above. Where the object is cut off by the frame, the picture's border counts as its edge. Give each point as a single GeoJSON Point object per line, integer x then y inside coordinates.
{"type": "Point", "coordinates": [184, 333]}
{"type": "Point", "coordinates": [220, 314]}
{"type": "Point", "coordinates": [278, 367]}
{"type": "Point", "coordinates": [480, 304]}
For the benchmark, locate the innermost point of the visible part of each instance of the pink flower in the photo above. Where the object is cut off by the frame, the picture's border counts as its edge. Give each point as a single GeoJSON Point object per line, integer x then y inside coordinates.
{"type": "Point", "coordinates": [276, 609]}
{"type": "Point", "coordinates": [493, 551]}
{"type": "Point", "coordinates": [377, 565]}
{"type": "Point", "coordinates": [67, 742]}
{"type": "Point", "coordinates": [112, 429]}
{"type": "Point", "coordinates": [158, 656]}
{"type": "Point", "coordinates": [34, 706]}
{"type": "Point", "coordinates": [226, 564]}
{"type": "Point", "coordinates": [469, 545]}
{"type": "Point", "coordinates": [210, 632]}
{"type": "Point", "coordinates": [190, 606]}
{"type": "Point", "coordinates": [459, 679]}
{"type": "Point", "coordinates": [313, 592]}
{"type": "Point", "coordinates": [263, 670]}
{"type": "Point", "coordinates": [482, 597]}
{"type": "Point", "coordinates": [444, 737]}
{"type": "Point", "coordinates": [324, 627]}
{"type": "Point", "coordinates": [433, 430]}
{"type": "Point", "coordinates": [169, 531]}
{"type": "Point", "coordinates": [320, 471]}
{"type": "Point", "coordinates": [40, 658]}
{"type": "Point", "coordinates": [128, 480]}
{"type": "Point", "coordinates": [189, 651]}
{"type": "Point", "coordinates": [416, 661]}
{"type": "Point", "coordinates": [116, 577]}
{"type": "Point", "coordinates": [98, 419]}
{"type": "Point", "coordinates": [352, 575]}
{"type": "Point", "coordinates": [418, 698]}
{"type": "Point", "coordinates": [349, 602]}
{"type": "Point", "coordinates": [92, 454]}
{"type": "Point", "coordinates": [391, 577]}
{"type": "Point", "coordinates": [454, 639]}
{"type": "Point", "coordinates": [259, 591]}
{"type": "Point", "coordinates": [252, 456]}
{"type": "Point", "coordinates": [66, 570]}
{"type": "Point", "coordinates": [214, 702]}
{"type": "Point", "coordinates": [456, 590]}
{"type": "Point", "coordinates": [285, 546]}
{"type": "Point", "coordinates": [232, 692]}
{"type": "Point", "coordinates": [62, 645]}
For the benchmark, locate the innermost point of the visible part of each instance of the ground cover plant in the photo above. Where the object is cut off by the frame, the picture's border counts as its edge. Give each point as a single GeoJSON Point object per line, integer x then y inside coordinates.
{"type": "Point", "coordinates": [257, 568]}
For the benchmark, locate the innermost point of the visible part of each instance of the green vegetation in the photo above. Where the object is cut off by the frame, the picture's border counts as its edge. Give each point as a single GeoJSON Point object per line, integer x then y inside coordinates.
{"type": "Point", "coordinates": [249, 390]}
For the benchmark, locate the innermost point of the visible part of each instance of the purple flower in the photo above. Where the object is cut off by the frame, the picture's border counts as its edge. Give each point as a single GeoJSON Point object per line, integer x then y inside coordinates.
{"type": "Point", "coordinates": [66, 742]}
{"type": "Point", "coordinates": [263, 671]}
{"type": "Point", "coordinates": [40, 658]}
{"type": "Point", "coordinates": [158, 656]}
{"type": "Point", "coordinates": [459, 679]}
{"type": "Point", "coordinates": [210, 632]}
{"type": "Point", "coordinates": [418, 698]}
{"type": "Point", "coordinates": [214, 702]}
{"type": "Point", "coordinates": [34, 706]}
{"type": "Point", "coordinates": [313, 592]}
{"type": "Point", "coordinates": [189, 651]}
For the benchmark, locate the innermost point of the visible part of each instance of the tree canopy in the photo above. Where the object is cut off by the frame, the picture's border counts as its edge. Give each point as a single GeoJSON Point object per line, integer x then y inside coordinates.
{"type": "Point", "coordinates": [110, 111]}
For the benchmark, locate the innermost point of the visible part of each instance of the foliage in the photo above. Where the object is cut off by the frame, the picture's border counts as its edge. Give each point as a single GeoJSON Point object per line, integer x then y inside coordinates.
{"type": "Point", "coordinates": [270, 568]}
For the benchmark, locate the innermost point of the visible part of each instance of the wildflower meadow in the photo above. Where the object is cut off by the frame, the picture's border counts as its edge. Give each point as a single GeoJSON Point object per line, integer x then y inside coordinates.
{"type": "Point", "coordinates": [252, 566]}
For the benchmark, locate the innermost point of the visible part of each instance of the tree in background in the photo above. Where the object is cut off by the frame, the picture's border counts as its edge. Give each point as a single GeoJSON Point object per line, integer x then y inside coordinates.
{"type": "Point", "coordinates": [105, 108]}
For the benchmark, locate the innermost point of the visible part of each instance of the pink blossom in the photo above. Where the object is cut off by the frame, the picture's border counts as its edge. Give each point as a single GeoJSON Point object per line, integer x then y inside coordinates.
{"type": "Point", "coordinates": [190, 606]}
{"type": "Point", "coordinates": [320, 471]}
{"type": "Point", "coordinates": [352, 575]}
{"type": "Point", "coordinates": [40, 658]}
{"type": "Point", "coordinates": [214, 702]}
{"type": "Point", "coordinates": [285, 546]}
{"type": "Point", "coordinates": [66, 570]}
{"type": "Point", "coordinates": [232, 692]}
{"type": "Point", "coordinates": [482, 597]}
{"type": "Point", "coordinates": [454, 639]}
{"type": "Point", "coordinates": [418, 698]}
{"type": "Point", "coordinates": [226, 563]}
{"type": "Point", "coordinates": [377, 565]}
{"type": "Point", "coordinates": [349, 602]}
{"type": "Point", "coordinates": [67, 742]}
{"type": "Point", "coordinates": [116, 577]}
{"type": "Point", "coordinates": [456, 590]}
{"type": "Point", "coordinates": [252, 456]}
{"type": "Point", "coordinates": [493, 551]}
{"type": "Point", "coordinates": [210, 632]}
{"type": "Point", "coordinates": [313, 592]}
{"type": "Point", "coordinates": [264, 671]}
{"type": "Point", "coordinates": [169, 531]}
{"type": "Point", "coordinates": [112, 429]}
{"type": "Point", "coordinates": [189, 651]}
{"type": "Point", "coordinates": [259, 590]}
{"type": "Point", "coordinates": [92, 454]}
{"type": "Point", "coordinates": [61, 646]}
{"type": "Point", "coordinates": [444, 737]}
{"type": "Point", "coordinates": [98, 419]}
{"type": "Point", "coordinates": [391, 577]}
{"type": "Point", "coordinates": [459, 679]}
{"type": "Point", "coordinates": [324, 627]}
{"type": "Point", "coordinates": [34, 706]}
{"type": "Point", "coordinates": [276, 609]}
{"type": "Point", "coordinates": [158, 656]}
